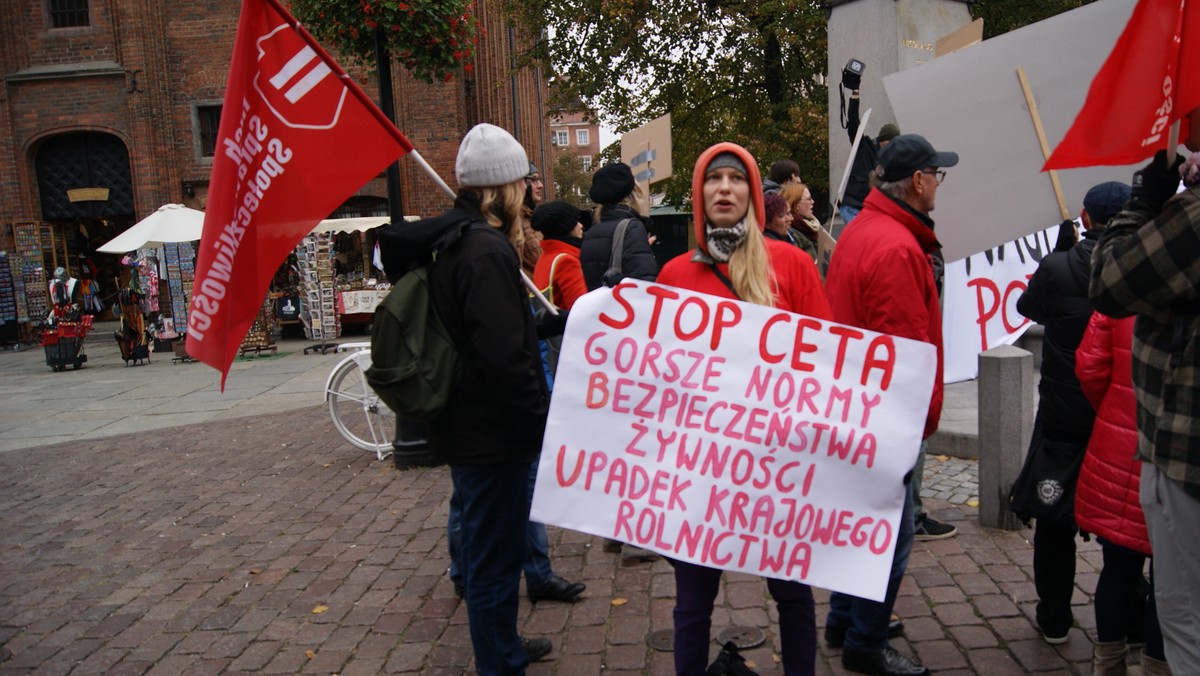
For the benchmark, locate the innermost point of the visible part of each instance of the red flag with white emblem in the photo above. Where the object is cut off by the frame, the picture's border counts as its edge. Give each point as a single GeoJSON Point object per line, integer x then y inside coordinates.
{"type": "Point", "coordinates": [297, 137]}
{"type": "Point", "coordinates": [1150, 80]}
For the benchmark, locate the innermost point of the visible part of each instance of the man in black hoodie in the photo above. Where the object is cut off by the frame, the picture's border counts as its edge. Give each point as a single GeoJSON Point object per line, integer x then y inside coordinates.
{"type": "Point", "coordinates": [1057, 298]}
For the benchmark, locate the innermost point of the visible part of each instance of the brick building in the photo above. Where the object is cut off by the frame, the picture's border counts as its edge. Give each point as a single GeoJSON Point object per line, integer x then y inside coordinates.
{"type": "Point", "coordinates": [124, 98]}
{"type": "Point", "coordinates": [571, 132]}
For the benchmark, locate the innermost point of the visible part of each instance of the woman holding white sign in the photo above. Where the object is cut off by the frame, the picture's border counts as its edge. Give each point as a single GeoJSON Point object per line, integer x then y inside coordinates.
{"type": "Point", "coordinates": [732, 259]}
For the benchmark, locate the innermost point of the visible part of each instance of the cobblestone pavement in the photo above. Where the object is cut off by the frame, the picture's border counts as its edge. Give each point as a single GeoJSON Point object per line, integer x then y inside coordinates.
{"type": "Point", "coordinates": [266, 545]}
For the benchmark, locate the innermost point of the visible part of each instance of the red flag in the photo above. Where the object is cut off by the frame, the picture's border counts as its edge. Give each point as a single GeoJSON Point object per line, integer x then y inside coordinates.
{"type": "Point", "coordinates": [297, 137]}
{"type": "Point", "coordinates": [1151, 79]}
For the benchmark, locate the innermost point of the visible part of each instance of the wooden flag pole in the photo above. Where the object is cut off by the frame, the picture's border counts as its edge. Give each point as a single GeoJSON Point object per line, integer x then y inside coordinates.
{"type": "Point", "coordinates": [1172, 142]}
{"type": "Point", "coordinates": [1041, 134]}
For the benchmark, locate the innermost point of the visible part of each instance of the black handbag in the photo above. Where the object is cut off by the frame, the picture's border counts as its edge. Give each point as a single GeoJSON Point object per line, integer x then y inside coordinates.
{"type": "Point", "coordinates": [729, 663]}
{"type": "Point", "coordinates": [1045, 488]}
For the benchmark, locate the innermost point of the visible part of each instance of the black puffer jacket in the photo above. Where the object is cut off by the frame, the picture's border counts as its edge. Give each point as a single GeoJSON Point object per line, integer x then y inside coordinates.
{"type": "Point", "coordinates": [638, 260]}
{"type": "Point", "coordinates": [498, 411]}
{"type": "Point", "coordinates": [1057, 298]}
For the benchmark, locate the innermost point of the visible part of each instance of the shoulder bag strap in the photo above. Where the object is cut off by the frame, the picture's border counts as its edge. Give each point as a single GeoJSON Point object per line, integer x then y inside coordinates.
{"type": "Point", "coordinates": [550, 284]}
{"type": "Point", "coordinates": [618, 246]}
{"type": "Point", "coordinates": [724, 279]}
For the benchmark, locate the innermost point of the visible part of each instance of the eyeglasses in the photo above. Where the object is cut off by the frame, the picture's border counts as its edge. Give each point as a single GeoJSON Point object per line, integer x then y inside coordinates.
{"type": "Point", "coordinates": [807, 199]}
{"type": "Point", "coordinates": [938, 174]}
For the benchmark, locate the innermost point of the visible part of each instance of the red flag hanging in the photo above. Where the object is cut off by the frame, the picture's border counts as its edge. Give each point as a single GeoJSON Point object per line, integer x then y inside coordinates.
{"type": "Point", "coordinates": [297, 137]}
{"type": "Point", "coordinates": [1151, 79]}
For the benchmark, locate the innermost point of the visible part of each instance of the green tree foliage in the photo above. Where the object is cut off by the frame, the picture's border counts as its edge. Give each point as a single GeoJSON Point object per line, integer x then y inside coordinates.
{"type": "Point", "coordinates": [432, 38]}
{"type": "Point", "coordinates": [746, 71]}
{"type": "Point", "coordinates": [571, 182]}
{"type": "Point", "coordinates": [1002, 16]}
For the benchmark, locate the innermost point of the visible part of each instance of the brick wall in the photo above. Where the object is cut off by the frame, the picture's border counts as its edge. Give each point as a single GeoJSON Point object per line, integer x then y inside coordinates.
{"type": "Point", "coordinates": [65, 80]}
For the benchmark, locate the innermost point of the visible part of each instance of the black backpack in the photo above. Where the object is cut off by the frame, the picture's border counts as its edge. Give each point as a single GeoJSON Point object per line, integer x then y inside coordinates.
{"type": "Point", "coordinates": [415, 363]}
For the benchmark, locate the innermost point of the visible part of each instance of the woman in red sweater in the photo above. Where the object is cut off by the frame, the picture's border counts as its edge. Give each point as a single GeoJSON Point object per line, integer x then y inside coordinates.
{"type": "Point", "coordinates": [562, 234]}
{"type": "Point", "coordinates": [732, 259]}
{"type": "Point", "coordinates": [1106, 498]}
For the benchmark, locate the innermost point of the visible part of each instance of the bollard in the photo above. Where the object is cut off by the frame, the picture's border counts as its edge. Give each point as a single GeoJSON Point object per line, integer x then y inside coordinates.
{"type": "Point", "coordinates": [1006, 412]}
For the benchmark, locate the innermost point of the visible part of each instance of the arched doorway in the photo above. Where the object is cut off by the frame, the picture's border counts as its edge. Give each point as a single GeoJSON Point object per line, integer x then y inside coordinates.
{"type": "Point", "coordinates": [86, 192]}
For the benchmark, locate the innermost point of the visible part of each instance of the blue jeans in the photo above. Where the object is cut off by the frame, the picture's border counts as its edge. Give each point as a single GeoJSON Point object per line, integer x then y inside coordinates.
{"type": "Point", "coordinates": [866, 621]}
{"type": "Point", "coordinates": [490, 563]}
{"type": "Point", "coordinates": [848, 213]}
{"type": "Point", "coordinates": [537, 555]}
{"type": "Point", "coordinates": [537, 545]}
{"type": "Point", "coordinates": [695, 590]}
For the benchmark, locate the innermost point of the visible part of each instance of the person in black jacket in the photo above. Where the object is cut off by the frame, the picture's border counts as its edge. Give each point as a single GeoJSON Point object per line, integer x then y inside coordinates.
{"type": "Point", "coordinates": [491, 428]}
{"type": "Point", "coordinates": [1057, 298]}
{"type": "Point", "coordinates": [859, 183]}
{"type": "Point", "coordinates": [616, 193]}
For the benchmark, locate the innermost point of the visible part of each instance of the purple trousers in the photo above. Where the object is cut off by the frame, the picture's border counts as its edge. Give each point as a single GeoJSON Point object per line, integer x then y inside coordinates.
{"type": "Point", "coordinates": [695, 591]}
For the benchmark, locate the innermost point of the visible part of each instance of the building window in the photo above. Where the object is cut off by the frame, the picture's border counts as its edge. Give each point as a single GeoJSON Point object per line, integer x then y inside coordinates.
{"type": "Point", "coordinates": [587, 162]}
{"type": "Point", "coordinates": [208, 119]}
{"type": "Point", "coordinates": [68, 13]}
{"type": "Point", "coordinates": [581, 137]}
{"type": "Point", "coordinates": [560, 138]}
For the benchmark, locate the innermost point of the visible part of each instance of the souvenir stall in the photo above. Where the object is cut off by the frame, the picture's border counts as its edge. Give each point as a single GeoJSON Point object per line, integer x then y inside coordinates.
{"type": "Point", "coordinates": [337, 283]}
{"type": "Point", "coordinates": [155, 283]}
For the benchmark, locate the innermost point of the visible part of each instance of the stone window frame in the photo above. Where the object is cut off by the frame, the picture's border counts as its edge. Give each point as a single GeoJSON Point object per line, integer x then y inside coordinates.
{"type": "Point", "coordinates": [68, 14]}
{"type": "Point", "coordinates": [206, 119]}
{"type": "Point", "coordinates": [582, 137]}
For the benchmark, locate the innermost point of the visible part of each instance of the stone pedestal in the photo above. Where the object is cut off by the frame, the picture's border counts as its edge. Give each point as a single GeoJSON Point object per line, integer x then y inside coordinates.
{"type": "Point", "coordinates": [1006, 413]}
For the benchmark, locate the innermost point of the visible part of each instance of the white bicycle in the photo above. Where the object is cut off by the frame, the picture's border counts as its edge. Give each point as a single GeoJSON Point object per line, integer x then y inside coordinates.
{"type": "Point", "coordinates": [357, 413]}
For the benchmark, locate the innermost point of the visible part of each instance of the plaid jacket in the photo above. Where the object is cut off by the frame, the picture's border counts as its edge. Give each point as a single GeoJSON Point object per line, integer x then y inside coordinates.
{"type": "Point", "coordinates": [1149, 265]}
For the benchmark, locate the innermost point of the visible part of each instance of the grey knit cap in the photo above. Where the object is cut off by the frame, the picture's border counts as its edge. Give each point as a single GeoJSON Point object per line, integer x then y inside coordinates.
{"type": "Point", "coordinates": [489, 156]}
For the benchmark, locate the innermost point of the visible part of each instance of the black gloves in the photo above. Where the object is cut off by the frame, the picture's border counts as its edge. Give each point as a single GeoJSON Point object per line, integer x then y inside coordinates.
{"type": "Point", "coordinates": [1067, 237]}
{"type": "Point", "coordinates": [1156, 183]}
{"type": "Point", "coordinates": [549, 325]}
{"type": "Point", "coordinates": [851, 80]}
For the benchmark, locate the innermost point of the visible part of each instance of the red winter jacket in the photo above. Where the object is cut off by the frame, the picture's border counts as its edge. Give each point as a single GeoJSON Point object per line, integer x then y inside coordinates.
{"type": "Point", "coordinates": [568, 276]}
{"type": "Point", "coordinates": [1106, 497]}
{"type": "Point", "coordinates": [881, 278]}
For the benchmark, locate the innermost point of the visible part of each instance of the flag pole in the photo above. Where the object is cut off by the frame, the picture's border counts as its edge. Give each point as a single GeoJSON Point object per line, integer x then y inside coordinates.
{"type": "Point", "coordinates": [1173, 142]}
{"type": "Point", "coordinates": [1041, 134]}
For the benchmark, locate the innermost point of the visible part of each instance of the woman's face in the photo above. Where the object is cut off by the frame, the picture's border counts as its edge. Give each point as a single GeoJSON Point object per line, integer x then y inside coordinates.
{"type": "Point", "coordinates": [804, 207]}
{"type": "Point", "coordinates": [726, 196]}
{"type": "Point", "coordinates": [781, 223]}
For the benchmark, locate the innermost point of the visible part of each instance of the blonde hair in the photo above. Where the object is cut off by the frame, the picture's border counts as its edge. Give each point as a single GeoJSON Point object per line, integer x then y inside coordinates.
{"type": "Point", "coordinates": [750, 266]}
{"type": "Point", "coordinates": [633, 200]}
{"type": "Point", "coordinates": [503, 209]}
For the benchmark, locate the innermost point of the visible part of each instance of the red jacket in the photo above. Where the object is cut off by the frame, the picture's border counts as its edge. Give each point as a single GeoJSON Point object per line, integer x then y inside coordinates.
{"type": "Point", "coordinates": [568, 276]}
{"type": "Point", "coordinates": [796, 278]}
{"type": "Point", "coordinates": [1106, 497]}
{"type": "Point", "coordinates": [881, 278]}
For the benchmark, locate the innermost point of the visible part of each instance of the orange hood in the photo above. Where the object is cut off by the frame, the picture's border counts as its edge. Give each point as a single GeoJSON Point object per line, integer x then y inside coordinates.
{"type": "Point", "coordinates": [755, 179]}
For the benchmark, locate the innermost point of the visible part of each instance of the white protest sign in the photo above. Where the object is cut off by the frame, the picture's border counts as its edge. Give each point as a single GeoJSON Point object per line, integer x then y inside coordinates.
{"type": "Point", "coordinates": [980, 301]}
{"type": "Point", "coordinates": [734, 436]}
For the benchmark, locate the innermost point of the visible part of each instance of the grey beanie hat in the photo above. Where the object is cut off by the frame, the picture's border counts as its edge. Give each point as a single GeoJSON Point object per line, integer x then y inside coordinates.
{"type": "Point", "coordinates": [489, 156]}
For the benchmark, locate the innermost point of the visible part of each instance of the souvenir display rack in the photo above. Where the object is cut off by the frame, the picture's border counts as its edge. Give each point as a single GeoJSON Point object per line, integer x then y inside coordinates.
{"type": "Point", "coordinates": [8, 301]}
{"type": "Point", "coordinates": [318, 305]}
{"type": "Point", "coordinates": [261, 336]}
{"type": "Point", "coordinates": [29, 278]}
{"type": "Point", "coordinates": [181, 271]}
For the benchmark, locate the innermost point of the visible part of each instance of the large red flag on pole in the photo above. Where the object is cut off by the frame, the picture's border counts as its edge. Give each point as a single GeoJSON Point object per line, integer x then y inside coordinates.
{"type": "Point", "coordinates": [1150, 80]}
{"type": "Point", "coordinates": [297, 137]}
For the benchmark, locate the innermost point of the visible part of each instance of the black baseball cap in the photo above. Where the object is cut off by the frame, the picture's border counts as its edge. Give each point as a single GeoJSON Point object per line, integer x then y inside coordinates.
{"type": "Point", "coordinates": [1106, 200]}
{"type": "Point", "coordinates": [909, 153]}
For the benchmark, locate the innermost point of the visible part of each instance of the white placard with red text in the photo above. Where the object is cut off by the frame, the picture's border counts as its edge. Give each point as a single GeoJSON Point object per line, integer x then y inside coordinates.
{"type": "Point", "coordinates": [979, 309]}
{"type": "Point", "coordinates": [734, 436]}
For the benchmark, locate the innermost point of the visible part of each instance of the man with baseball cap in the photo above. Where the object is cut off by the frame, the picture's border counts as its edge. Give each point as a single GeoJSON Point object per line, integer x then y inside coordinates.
{"type": "Point", "coordinates": [884, 276]}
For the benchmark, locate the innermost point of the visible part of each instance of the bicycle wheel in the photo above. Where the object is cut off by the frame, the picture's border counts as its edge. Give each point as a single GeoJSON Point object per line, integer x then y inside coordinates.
{"type": "Point", "coordinates": [357, 413]}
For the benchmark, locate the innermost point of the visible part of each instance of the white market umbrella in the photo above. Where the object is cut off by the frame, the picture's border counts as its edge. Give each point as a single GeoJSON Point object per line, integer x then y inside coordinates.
{"type": "Point", "coordinates": [171, 223]}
